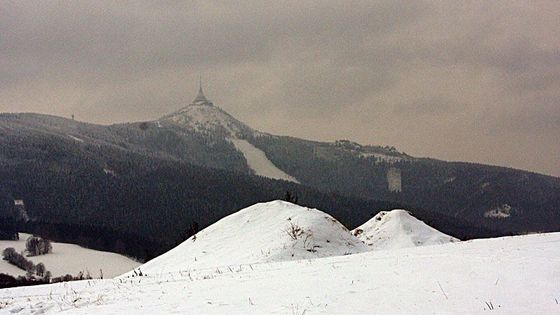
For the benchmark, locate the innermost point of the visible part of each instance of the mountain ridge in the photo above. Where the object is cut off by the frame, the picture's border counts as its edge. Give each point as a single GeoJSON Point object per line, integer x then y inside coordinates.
{"type": "Point", "coordinates": [201, 134]}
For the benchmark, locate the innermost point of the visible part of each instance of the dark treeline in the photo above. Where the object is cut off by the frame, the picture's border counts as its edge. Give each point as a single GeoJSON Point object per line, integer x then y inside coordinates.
{"type": "Point", "coordinates": [13, 257]}
{"type": "Point", "coordinates": [7, 281]}
{"type": "Point", "coordinates": [148, 209]}
{"type": "Point", "coordinates": [134, 245]}
{"type": "Point", "coordinates": [8, 229]}
{"type": "Point", "coordinates": [136, 179]}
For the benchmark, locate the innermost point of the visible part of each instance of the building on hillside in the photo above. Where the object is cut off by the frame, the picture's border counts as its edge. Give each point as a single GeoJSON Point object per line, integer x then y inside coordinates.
{"type": "Point", "coordinates": [394, 183]}
{"type": "Point", "coordinates": [21, 212]}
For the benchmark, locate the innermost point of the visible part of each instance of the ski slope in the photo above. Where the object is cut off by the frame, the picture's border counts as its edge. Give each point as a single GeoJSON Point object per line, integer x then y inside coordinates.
{"type": "Point", "coordinates": [398, 229]}
{"type": "Point", "coordinates": [265, 232]}
{"type": "Point", "coordinates": [259, 163]}
{"type": "Point", "coordinates": [511, 275]}
{"type": "Point", "coordinates": [70, 259]}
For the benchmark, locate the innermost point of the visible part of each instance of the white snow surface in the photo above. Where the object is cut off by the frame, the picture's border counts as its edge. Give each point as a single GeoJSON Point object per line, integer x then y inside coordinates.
{"type": "Point", "coordinates": [76, 138]}
{"type": "Point", "coordinates": [264, 232]}
{"type": "Point", "coordinates": [70, 259]}
{"type": "Point", "coordinates": [204, 118]}
{"type": "Point", "coordinates": [512, 275]}
{"type": "Point", "coordinates": [398, 229]}
{"type": "Point", "coordinates": [258, 162]}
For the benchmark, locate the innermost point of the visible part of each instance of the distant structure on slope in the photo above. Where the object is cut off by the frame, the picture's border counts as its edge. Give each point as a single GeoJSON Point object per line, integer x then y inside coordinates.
{"type": "Point", "coordinates": [200, 98]}
{"type": "Point", "coordinates": [19, 203]}
{"type": "Point", "coordinates": [394, 180]}
{"type": "Point", "coordinates": [21, 212]}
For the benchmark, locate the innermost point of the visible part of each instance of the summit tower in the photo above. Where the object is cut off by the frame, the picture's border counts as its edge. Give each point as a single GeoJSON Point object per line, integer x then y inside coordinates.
{"type": "Point", "coordinates": [200, 98]}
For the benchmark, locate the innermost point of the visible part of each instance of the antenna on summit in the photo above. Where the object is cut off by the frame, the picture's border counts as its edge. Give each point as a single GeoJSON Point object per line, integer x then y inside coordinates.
{"type": "Point", "coordinates": [200, 98]}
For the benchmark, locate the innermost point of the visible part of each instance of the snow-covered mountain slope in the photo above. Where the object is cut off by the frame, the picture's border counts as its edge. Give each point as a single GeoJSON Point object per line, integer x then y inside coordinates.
{"type": "Point", "coordinates": [70, 259]}
{"type": "Point", "coordinates": [206, 119]}
{"type": "Point", "coordinates": [259, 163]}
{"type": "Point", "coordinates": [510, 275]}
{"type": "Point", "coordinates": [398, 229]}
{"type": "Point", "coordinates": [265, 232]}
{"type": "Point", "coordinates": [212, 121]}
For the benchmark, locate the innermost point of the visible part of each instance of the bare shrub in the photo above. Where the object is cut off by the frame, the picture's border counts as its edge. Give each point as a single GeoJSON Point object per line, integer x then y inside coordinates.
{"type": "Point", "coordinates": [294, 231]}
{"type": "Point", "coordinates": [36, 245]}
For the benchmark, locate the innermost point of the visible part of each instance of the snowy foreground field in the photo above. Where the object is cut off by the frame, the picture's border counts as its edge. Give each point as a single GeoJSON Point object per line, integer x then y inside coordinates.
{"type": "Point", "coordinates": [510, 275]}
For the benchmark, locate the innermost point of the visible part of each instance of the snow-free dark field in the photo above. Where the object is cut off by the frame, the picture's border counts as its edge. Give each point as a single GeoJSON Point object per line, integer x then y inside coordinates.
{"type": "Point", "coordinates": [253, 262]}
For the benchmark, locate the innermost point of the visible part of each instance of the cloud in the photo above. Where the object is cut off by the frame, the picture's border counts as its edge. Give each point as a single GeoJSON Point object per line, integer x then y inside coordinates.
{"type": "Point", "coordinates": [411, 74]}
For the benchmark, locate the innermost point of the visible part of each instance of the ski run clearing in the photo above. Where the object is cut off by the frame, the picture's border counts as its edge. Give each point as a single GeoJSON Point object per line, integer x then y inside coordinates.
{"type": "Point", "coordinates": [510, 275]}
{"type": "Point", "coordinates": [70, 259]}
{"type": "Point", "coordinates": [259, 163]}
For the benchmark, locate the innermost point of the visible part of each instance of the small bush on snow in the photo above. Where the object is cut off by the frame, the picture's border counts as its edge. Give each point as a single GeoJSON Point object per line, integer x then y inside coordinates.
{"type": "Point", "coordinates": [37, 246]}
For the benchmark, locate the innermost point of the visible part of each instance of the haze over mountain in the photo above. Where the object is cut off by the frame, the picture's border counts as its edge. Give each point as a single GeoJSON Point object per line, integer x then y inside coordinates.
{"type": "Point", "coordinates": [458, 81]}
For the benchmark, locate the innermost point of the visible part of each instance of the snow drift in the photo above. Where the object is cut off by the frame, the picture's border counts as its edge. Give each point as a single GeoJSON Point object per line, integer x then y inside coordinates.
{"type": "Point", "coordinates": [265, 232]}
{"type": "Point", "coordinates": [398, 229]}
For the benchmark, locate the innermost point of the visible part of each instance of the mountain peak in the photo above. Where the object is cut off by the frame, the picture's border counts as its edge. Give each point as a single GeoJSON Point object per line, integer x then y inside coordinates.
{"type": "Point", "coordinates": [203, 117]}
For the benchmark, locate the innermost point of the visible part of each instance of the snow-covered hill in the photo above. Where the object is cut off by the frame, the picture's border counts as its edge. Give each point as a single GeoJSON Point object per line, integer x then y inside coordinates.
{"type": "Point", "coordinates": [265, 232]}
{"type": "Point", "coordinates": [511, 275]}
{"type": "Point", "coordinates": [70, 259]}
{"type": "Point", "coordinates": [203, 117]}
{"type": "Point", "coordinates": [398, 229]}
{"type": "Point", "coordinates": [206, 119]}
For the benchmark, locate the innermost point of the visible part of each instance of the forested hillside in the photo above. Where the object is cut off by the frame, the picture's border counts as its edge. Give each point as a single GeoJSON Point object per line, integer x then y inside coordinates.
{"type": "Point", "coordinates": [503, 199]}
{"type": "Point", "coordinates": [140, 188]}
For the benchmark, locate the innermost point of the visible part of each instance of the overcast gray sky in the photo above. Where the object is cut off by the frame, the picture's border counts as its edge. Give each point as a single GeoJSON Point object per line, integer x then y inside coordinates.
{"type": "Point", "coordinates": [456, 80]}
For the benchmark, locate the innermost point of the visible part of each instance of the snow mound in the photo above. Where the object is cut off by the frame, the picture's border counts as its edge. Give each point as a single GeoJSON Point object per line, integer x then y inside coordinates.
{"type": "Point", "coordinates": [206, 119]}
{"type": "Point", "coordinates": [399, 229]}
{"type": "Point", "coordinates": [265, 232]}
